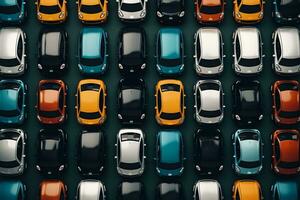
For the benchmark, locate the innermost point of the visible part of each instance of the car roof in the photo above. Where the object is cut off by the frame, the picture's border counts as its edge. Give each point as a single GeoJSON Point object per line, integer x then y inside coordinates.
{"type": "Point", "coordinates": [8, 146]}
{"type": "Point", "coordinates": [170, 101]}
{"type": "Point", "coordinates": [210, 41]}
{"type": "Point", "coordinates": [10, 98]}
{"type": "Point", "coordinates": [250, 150]}
{"type": "Point", "coordinates": [49, 100]}
{"type": "Point", "coordinates": [51, 189]}
{"type": "Point", "coordinates": [170, 43]}
{"type": "Point", "coordinates": [288, 40]}
{"type": "Point", "coordinates": [8, 41]}
{"type": "Point", "coordinates": [131, 190]}
{"type": "Point", "coordinates": [90, 189]}
{"type": "Point", "coordinates": [249, 42]}
{"type": "Point", "coordinates": [91, 42]}
{"type": "Point", "coordinates": [249, 189]}
{"type": "Point", "coordinates": [208, 189]}
{"type": "Point", "coordinates": [170, 146]}
{"type": "Point", "coordinates": [8, 2]}
{"type": "Point", "coordinates": [210, 100]}
{"type": "Point", "coordinates": [10, 189]}
{"type": "Point", "coordinates": [169, 189]}
{"type": "Point", "coordinates": [130, 151]}
{"type": "Point", "coordinates": [287, 190]}
{"type": "Point", "coordinates": [51, 42]}
{"type": "Point", "coordinates": [289, 150]}
{"type": "Point", "coordinates": [132, 42]}
{"type": "Point", "coordinates": [289, 100]}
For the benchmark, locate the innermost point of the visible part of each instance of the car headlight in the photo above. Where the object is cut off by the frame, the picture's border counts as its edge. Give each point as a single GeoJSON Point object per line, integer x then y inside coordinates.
{"type": "Point", "coordinates": [221, 15]}
{"type": "Point", "coordinates": [237, 14]}
{"type": "Point", "coordinates": [277, 14]}
{"type": "Point", "coordinates": [276, 169]}
{"type": "Point", "coordinates": [181, 14]}
{"type": "Point", "coordinates": [120, 116]}
{"type": "Point", "coordinates": [62, 66]}
{"type": "Point", "coordinates": [277, 67]}
{"type": "Point", "coordinates": [62, 15]}
{"type": "Point", "coordinates": [260, 117]}
{"type": "Point", "coordinates": [158, 67]}
{"type": "Point", "coordinates": [237, 68]}
{"type": "Point", "coordinates": [220, 68]}
{"type": "Point", "coordinates": [261, 14]}
{"type": "Point", "coordinates": [237, 169]}
{"type": "Point", "coordinates": [237, 117]}
{"type": "Point", "coordinates": [260, 68]}
{"type": "Point", "coordinates": [143, 116]}
{"type": "Point", "coordinates": [159, 14]}
{"type": "Point", "coordinates": [61, 168]}
{"type": "Point", "coordinates": [143, 66]}
{"type": "Point", "coordinates": [121, 66]}
{"type": "Point", "coordinates": [120, 14]}
{"type": "Point", "coordinates": [143, 13]}
{"type": "Point", "coordinates": [181, 67]}
{"type": "Point", "coordinates": [40, 66]}
{"type": "Point", "coordinates": [21, 67]}
{"type": "Point", "coordinates": [80, 15]}
{"type": "Point", "coordinates": [102, 14]}
{"type": "Point", "coordinates": [39, 15]}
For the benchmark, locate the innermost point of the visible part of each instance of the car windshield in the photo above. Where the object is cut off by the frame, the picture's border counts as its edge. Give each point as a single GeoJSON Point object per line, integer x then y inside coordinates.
{"type": "Point", "coordinates": [9, 62]}
{"type": "Point", "coordinates": [285, 114]}
{"type": "Point", "coordinates": [288, 136]}
{"type": "Point", "coordinates": [211, 9]}
{"type": "Point", "coordinates": [248, 136]}
{"type": "Point", "coordinates": [250, 8]}
{"type": "Point", "coordinates": [49, 9]}
{"type": "Point", "coordinates": [130, 166]}
{"type": "Point", "coordinates": [170, 166]}
{"type": "Point", "coordinates": [92, 115]}
{"type": "Point", "coordinates": [130, 137]}
{"type": "Point", "coordinates": [133, 59]}
{"type": "Point", "coordinates": [91, 61]}
{"type": "Point", "coordinates": [9, 9]}
{"type": "Point", "coordinates": [290, 62]}
{"type": "Point", "coordinates": [90, 9]}
{"type": "Point", "coordinates": [251, 62]}
{"type": "Point", "coordinates": [131, 7]}
{"type": "Point", "coordinates": [9, 113]}
{"type": "Point", "coordinates": [210, 63]}
{"type": "Point", "coordinates": [50, 86]}
{"type": "Point", "coordinates": [209, 86]}
{"type": "Point", "coordinates": [49, 114]}
{"type": "Point", "coordinates": [253, 164]}
{"type": "Point", "coordinates": [170, 6]}
{"type": "Point", "coordinates": [170, 62]}
{"type": "Point", "coordinates": [205, 113]}
{"type": "Point", "coordinates": [170, 116]}
{"type": "Point", "coordinates": [9, 164]}
{"type": "Point", "coordinates": [289, 165]}
{"type": "Point", "coordinates": [289, 8]}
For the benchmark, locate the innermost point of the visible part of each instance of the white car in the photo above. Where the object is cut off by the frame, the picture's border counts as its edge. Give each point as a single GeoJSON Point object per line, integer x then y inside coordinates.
{"type": "Point", "coordinates": [91, 189]}
{"type": "Point", "coordinates": [132, 10]}
{"type": "Point", "coordinates": [207, 190]}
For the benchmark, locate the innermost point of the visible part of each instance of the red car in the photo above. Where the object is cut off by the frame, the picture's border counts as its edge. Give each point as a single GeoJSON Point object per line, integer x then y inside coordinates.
{"type": "Point", "coordinates": [286, 152]}
{"type": "Point", "coordinates": [51, 107]}
{"type": "Point", "coordinates": [209, 11]}
{"type": "Point", "coordinates": [286, 102]}
{"type": "Point", "coordinates": [53, 190]}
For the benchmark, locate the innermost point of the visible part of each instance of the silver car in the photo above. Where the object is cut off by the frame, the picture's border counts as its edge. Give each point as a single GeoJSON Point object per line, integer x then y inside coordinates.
{"type": "Point", "coordinates": [248, 56]}
{"type": "Point", "coordinates": [209, 107]}
{"type": "Point", "coordinates": [208, 51]}
{"type": "Point", "coordinates": [12, 151]}
{"type": "Point", "coordinates": [208, 190]}
{"type": "Point", "coordinates": [130, 152]}
{"type": "Point", "coordinates": [91, 190]}
{"type": "Point", "coordinates": [132, 10]}
{"type": "Point", "coordinates": [286, 42]}
{"type": "Point", "coordinates": [12, 51]}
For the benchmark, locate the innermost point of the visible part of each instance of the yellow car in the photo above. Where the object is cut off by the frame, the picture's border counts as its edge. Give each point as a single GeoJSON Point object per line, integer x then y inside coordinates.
{"type": "Point", "coordinates": [246, 190]}
{"type": "Point", "coordinates": [248, 11]}
{"type": "Point", "coordinates": [90, 102]}
{"type": "Point", "coordinates": [51, 11]}
{"type": "Point", "coordinates": [92, 11]}
{"type": "Point", "coordinates": [169, 107]}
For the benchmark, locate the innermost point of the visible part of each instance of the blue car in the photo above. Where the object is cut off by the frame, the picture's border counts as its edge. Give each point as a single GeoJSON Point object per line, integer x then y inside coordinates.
{"type": "Point", "coordinates": [12, 104]}
{"type": "Point", "coordinates": [169, 153]}
{"type": "Point", "coordinates": [12, 11]}
{"type": "Point", "coordinates": [92, 51]}
{"type": "Point", "coordinates": [170, 51]}
{"type": "Point", "coordinates": [12, 190]}
{"type": "Point", "coordinates": [287, 190]}
{"type": "Point", "coordinates": [248, 151]}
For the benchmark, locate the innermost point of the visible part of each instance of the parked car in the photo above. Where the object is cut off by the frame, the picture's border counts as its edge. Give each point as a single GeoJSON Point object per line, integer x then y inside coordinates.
{"type": "Point", "coordinates": [169, 191]}
{"type": "Point", "coordinates": [13, 12]}
{"type": "Point", "coordinates": [132, 11]}
{"type": "Point", "coordinates": [132, 51]}
{"type": "Point", "coordinates": [91, 189]}
{"type": "Point", "coordinates": [248, 53]}
{"type": "Point", "coordinates": [91, 102]}
{"type": "Point", "coordinates": [169, 153]}
{"type": "Point", "coordinates": [131, 191]}
{"type": "Point", "coordinates": [51, 12]}
{"type": "Point", "coordinates": [286, 12]}
{"type": "Point", "coordinates": [52, 51]}
{"type": "Point", "coordinates": [169, 51]}
{"type": "Point", "coordinates": [247, 152]}
{"type": "Point", "coordinates": [286, 102]}
{"type": "Point", "coordinates": [209, 106]}
{"type": "Point", "coordinates": [170, 11]}
{"type": "Point", "coordinates": [92, 51]}
{"type": "Point", "coordinates": [283, 190]}
{"type": "Point", "coordinates": [286, 152]}
{"type": "Point", "coordinates": [52, 151]}
{"type": "Point", "coordinates": [209, 56]}
{"type": "Point", "coordinates": [248, 12]}
{"type": "Point", "coordinates": [207, 12]}
{"type": "Point", "coordinates": [208, 151]}
{"type": "Point", "coordinates": [91, 153]}
{"type": "Point", "coordinates": [247, 102]}
{"type": "Point", "coordinates": [13, 105]}
{"type": "Point", "coordinates": [130, 152]}
{"type": "Point", "coordinates": [286, 48]}
{"type": "Point", "coordinates": [92, 12]}
{"type": "Point", "coordinates": [12, 151]}
{"type": "Point", "coordinates": [207, 190]}
{"type": "Point", "coordinates": [169, 103]}
{"type": "Point", "coordinates": [247, 189]}
{"type": "Point", "coordinates": [12, 52]}
{"type": "Point", "coordinates": [131, 101]}
{"type": "Point", "coordinates": [11, 190]}
{"type": "Point", "coordinates": [51, 102]}
{"type": "Point", "coordinates": [53, 189]}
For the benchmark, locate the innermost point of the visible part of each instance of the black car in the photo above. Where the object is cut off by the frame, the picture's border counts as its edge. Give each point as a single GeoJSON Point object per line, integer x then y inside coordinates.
{"type": "Point", "coordinates": [167, 191]}
{"type": "Point", "coordinates": [247, 106]}
{"type": "Point", "coordinates": [170, 11]}
{"type": "Point", "coordinates": [286, 11]}
{"type": "Point", "coordinates": [208, 151]}
{"type": "Point", "coordinates": [131, 101]}
{"type": "Point", "coordinates": [91, 152]}
{"type": "Point", "coordinates": [131, 191]}
{"type": "Point", "coordinates": [132, 51]}
{"type": "Point", "coordinates": [52, 148]}
{"type": "Point", "coordinates": [52, 51]}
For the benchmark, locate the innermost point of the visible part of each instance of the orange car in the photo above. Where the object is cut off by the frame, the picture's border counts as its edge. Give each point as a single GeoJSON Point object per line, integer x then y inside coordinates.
{"type": "Point", "coordinates": [92, 11]}
{"type": "Point", "coordinates": [246, 190]}
{"type": "Point", "coordinates": [286, 102]}
{"type": "Point", "coordinates": [169, 108]}
{"type": "Point", "coordinates": [53, 190]}
{"type": "Point", "coordinates": [51, 11]}
{"type": "Point", "coordinates": [248, 11]}
{"type": "Point", "coordinates": [90, 102]}
{"type": "Point", "coordinates": [51, 107]}
{"type": "Point", "coordinates": [209, 11]}
{"type": "Point", "coordinates": [286, 152]}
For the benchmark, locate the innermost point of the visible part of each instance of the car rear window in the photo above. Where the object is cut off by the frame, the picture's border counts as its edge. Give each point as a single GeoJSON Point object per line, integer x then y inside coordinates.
{"type": "Point", "coordinates": [90, 86]}
{"type": "Point", "coordinates": [170, 87]}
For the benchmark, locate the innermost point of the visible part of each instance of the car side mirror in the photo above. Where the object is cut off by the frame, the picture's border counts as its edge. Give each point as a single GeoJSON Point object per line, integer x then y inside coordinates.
{"type": "Point", "coordinates": [35, 3]}
{"type": "Point", "coordinates": [76, 107]}
{"type": "Point", "coordinates": [115, 157]}
{"type": "Point", "coordinates": [76, 2]}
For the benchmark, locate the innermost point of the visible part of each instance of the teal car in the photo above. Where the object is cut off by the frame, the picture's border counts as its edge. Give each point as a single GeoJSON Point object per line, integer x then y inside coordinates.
{"type": "Point", "coordinates": [170, 51]}
{"type": "Point", "coordinates": [285, 190]}
{"type": "Point", "coordinates": [169, 153]}
{"type": "Point", "coordinates": [248, 151]}
{"type": "Point", "coordinates": [12, 11]}
{"type": "Point", "coordinates": [12, 190]}
{"type": "Point", "coordinates": [92, 51]}
{"type": "Point", "coordinates": [13, 102]}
